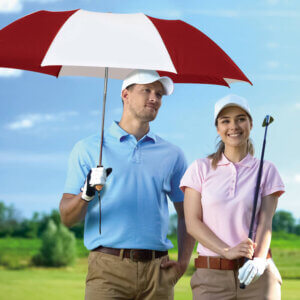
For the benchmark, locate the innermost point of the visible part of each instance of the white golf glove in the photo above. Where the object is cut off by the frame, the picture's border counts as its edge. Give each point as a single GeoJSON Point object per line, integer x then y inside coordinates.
{"type": "Point", "coordinates": [96, 176]}
{"type": "Point", "coordinates": [252, 270]}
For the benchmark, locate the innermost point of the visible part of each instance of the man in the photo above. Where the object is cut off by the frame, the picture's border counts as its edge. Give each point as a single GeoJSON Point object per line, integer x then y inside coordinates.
{"type": "Point", "coordinates": [129, 259]}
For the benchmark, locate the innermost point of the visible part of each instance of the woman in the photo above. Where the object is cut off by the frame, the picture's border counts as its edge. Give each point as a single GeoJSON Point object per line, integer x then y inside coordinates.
{"type": "Point", "coordinates": [218, 203]}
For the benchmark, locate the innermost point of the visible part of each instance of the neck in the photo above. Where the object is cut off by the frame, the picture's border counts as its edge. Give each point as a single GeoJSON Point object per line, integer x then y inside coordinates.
{"type": "Point", "coordinates": [134, 127]}
{"type": "Point", "coordinates": [235, 154]}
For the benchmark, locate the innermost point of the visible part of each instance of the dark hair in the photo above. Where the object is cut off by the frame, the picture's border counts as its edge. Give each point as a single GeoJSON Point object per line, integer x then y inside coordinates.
{"type": "Point", "coordinates": [216, 157]}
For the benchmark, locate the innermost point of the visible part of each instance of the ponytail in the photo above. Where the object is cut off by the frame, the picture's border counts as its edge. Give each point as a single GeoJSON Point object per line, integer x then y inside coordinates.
{"type": "Point", "coordinates": [216, 157]}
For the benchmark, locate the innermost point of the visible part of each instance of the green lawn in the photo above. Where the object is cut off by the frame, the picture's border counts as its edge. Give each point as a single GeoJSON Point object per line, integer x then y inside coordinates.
{"type": "Point", "coordinates": [29, 282]}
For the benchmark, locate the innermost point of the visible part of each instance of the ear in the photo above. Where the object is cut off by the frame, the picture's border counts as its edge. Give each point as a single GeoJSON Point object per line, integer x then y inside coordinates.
{"type": "Point", "coordinates": [124, 95]}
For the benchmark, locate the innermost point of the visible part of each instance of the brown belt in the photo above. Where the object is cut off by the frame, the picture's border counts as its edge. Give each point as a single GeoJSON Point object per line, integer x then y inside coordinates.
{"type": "Point", "coordinates": [218, 263]}
{"type": "Point", "coordinates": [133, 254]}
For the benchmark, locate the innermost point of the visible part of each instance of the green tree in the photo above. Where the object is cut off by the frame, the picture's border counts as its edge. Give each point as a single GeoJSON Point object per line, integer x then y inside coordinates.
{"type": "Point", "coordinates": [283, 221]}
{"type": "Point", "coordinates": [58, 246]}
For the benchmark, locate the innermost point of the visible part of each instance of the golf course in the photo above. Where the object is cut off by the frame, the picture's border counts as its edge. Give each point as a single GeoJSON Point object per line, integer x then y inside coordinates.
{"type": "Point", "coordinates": [20, 280]}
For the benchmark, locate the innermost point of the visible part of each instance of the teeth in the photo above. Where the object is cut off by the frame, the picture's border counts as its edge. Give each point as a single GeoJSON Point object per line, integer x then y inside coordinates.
{"type": "Point", "coordinates": [237, 134]}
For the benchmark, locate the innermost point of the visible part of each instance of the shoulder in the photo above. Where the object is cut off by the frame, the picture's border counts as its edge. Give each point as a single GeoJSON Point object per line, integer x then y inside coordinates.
{"type": "Point", "coordinates": [174, 149]}
{"type": "Point", "coordinates": [83, 145]}
{"type": "Point", "coordinates": [201, 165]}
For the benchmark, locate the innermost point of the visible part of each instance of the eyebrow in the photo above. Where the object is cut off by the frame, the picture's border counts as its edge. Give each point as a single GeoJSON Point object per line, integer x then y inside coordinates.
{"type": "Point", "coordinates": [227, 117]}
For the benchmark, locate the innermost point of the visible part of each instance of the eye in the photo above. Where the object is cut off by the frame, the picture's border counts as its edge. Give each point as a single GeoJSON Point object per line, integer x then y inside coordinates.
{"type": "Point", "coordinates": [147, 90]}
{"type": "Point", "coordinates": [159, 95]}
{"type": "Point", "coordinates": [224, 121]}
{"type": "Point", "coordinates": [242, 119]}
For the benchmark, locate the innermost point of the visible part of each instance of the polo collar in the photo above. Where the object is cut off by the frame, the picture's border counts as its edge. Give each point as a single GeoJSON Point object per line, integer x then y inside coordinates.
{"type": "Point", "coordinates": [247, 161]}
{"type": "Point", "coordinates": [116, 131]}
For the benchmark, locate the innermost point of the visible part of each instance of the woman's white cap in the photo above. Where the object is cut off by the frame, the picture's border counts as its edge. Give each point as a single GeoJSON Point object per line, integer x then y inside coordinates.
{"type": "Point", "coordinates": [148, 76]}
{"type": "Point", "coordinates": [231, 100]}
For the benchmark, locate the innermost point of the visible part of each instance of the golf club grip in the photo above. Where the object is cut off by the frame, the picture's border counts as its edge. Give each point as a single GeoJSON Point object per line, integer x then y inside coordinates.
{"type": "Point", "coordinates": [242, 285]}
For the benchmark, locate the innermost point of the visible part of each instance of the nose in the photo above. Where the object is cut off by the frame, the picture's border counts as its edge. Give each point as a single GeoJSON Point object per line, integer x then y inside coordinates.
{"type": "Point", "coordinates": [153, 97]}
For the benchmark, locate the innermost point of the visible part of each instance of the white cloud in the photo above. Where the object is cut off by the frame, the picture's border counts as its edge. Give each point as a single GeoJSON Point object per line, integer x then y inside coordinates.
{"type": "Point", "coordinates": [272, 45]}
{"type": "Point", "coordinates": [56, 159]}
{"type": "Point", "coordinates": [246, 13]}
{"type": "Point", "coordinates": [10, 6]}
{"type": "Point", "coordinates": [277, 77]}
{"type": "Point", "coordinates": [272, 64]}
{"type": "Point", "coordinates": [297, 105]}
{"type": "Point", "coordinates": [6, 72]}
{"type": "Point", "coordinates": [15, 6]}
{"type": "Point", "coordinates": [272, 2]}
{"type": "Point", "coordinates": [31, 120]}
{"type": "Point", "coordinates": [297, 178]}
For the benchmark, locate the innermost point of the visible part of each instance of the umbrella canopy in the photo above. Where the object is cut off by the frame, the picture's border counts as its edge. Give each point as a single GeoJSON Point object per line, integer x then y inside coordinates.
{"type": "Point", "coordinates": [83, 43]}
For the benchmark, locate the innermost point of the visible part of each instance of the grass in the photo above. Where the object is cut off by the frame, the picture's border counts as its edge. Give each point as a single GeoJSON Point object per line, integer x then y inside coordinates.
{"type": "Point", "coordinates": [68, 283]}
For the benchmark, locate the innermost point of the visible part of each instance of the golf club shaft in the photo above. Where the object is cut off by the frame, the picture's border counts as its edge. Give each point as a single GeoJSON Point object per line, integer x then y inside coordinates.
{"type": "Point", "coordinates": [250, 235]}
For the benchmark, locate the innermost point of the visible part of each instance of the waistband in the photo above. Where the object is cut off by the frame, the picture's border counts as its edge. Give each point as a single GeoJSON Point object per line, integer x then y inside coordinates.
{"type": "Point", "coordinates": [219, 263]}
{"type": "Point", "coordinates": [133, 254]}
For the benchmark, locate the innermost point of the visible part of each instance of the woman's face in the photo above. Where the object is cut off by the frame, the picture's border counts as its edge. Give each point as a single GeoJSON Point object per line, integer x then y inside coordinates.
{"type": "Point", "coordinates": [233, 126]}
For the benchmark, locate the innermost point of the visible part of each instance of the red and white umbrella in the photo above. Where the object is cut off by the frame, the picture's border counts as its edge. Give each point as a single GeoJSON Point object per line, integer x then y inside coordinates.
{"type": "Point", "coordinates": [84, 43]}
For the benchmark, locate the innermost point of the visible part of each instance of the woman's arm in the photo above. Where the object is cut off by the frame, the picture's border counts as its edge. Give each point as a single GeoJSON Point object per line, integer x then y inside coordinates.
{"type": "Point", "coordinates": [197, 229]}
{"type": "Point", "coordinates": [264, 228]}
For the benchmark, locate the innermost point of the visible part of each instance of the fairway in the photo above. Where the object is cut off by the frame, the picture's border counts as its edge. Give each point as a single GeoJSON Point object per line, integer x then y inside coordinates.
{"type": "Point", "coordinates": [68, 283]}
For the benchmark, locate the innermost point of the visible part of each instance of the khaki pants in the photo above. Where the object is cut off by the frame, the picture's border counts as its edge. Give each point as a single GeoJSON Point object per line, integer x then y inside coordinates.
{"type": "Point", "coordinates": [210, 284]}
{"type": "Point", "coordinates": [114, 277]}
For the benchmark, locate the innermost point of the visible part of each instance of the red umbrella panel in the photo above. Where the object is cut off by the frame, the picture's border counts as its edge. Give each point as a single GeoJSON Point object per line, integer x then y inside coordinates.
{"type": "Point", "coordinates": [83, 43]}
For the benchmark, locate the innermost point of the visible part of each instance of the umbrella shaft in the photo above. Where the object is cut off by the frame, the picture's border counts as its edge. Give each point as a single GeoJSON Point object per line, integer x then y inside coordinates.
{"type": "Point", "coordinates": [103, 114]}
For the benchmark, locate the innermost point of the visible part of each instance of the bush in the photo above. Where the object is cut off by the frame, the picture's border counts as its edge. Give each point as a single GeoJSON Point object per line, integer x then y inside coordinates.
{"type": "Point", "coordinates": [58, 246]}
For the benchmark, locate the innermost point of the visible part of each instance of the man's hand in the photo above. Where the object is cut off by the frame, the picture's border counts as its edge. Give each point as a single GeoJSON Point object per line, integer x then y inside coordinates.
{"type": "Point", "coordinates": [96, 176]}
{"type": "Point", "coordinates": [252, 270]}
{"type": "Point", "coordinates": [179, 266]}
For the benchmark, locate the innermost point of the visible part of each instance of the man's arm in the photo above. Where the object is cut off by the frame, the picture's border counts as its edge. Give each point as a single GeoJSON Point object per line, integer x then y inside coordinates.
{"type": "Point", "coordinates": [72, 209]}
{"type": "Point", "coordinates": [185, 243]}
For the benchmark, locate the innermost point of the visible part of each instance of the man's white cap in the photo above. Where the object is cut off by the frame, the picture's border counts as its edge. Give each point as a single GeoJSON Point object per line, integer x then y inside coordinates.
{"type": "Point", "coordinates": [148, 76]}
{"type": "Point", "coordinates": [231, 100]}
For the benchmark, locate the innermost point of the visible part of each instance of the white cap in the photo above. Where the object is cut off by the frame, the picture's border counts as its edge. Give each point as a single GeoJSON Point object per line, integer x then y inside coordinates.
{"type": "Point", "coordinates": [148, 76]}
{"type": "Point", "coordinates": [231, 100]}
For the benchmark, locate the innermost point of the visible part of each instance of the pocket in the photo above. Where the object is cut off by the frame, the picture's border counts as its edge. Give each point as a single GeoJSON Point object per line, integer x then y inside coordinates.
{"type": "Point", "coordinates": [273, 271]}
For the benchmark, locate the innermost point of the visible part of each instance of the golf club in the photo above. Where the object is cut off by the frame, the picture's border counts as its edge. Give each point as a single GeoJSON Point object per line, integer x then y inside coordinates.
{"type": "Point", "coordinates": [267, 121]}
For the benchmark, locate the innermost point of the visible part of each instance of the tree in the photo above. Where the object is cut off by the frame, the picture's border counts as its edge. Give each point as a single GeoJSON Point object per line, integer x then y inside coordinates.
{"type": "Point", "coordinates": [283, 221]}
{"type": "Point", "coordinates": [58, 246]}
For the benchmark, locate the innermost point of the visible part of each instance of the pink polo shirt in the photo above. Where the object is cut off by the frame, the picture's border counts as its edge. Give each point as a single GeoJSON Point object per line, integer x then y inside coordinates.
{"type": "Point", "coordinates": [227, 195]}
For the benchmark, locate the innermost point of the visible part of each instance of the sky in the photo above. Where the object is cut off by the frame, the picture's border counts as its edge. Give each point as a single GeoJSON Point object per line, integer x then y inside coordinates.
{"type": "Point", "coordinates": [42, 117]}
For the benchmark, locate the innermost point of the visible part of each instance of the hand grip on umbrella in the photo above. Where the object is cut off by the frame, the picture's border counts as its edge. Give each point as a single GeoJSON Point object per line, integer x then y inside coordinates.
{"type": "Point", "coordinates": [98, 177]}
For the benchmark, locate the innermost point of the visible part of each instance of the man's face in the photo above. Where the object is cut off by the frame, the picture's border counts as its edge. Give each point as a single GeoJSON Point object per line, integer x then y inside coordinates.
{"type": "Point", "coordinates": [142, 101]}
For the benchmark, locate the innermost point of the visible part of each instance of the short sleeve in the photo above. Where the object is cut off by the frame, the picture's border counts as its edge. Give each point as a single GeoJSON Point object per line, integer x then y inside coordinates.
{"type": "Point", "coordinates": [175, 193]}
{"type": "Point", "coordinates": [272, 181]}
{"type": "Point", "coordinates": [191, 178]}
{"type": "Point", "coordinates": [77, 171]}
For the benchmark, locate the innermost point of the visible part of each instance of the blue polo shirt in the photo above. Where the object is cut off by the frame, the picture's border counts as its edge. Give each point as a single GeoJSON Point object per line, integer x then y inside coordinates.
{"type": "Point", "coordinates": [134, 200]}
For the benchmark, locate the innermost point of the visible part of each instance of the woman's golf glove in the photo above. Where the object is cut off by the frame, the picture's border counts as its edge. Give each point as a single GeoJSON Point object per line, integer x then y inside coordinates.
{"type": "Point", "coordinates": [252, 270]}
{"type": "Point", "coordinates": [96, 176]}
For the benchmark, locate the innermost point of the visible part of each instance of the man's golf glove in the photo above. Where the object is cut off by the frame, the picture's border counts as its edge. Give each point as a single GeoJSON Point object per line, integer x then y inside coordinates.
{"type": "Point", "coordinates": [252, 270]}
{"type": "Point", "coordinates": [96, 176]}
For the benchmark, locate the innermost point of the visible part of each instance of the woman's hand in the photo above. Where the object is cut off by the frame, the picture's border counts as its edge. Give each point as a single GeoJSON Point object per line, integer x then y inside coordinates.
{"type": "Point", "coordinates": [243, 249]}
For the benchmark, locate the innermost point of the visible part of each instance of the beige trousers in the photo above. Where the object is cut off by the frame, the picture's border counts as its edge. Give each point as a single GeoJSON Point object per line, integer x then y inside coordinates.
{"type": "Point", "coordinates": [208, 284]}
{"type": "Point", "coordinates": [113, 277]}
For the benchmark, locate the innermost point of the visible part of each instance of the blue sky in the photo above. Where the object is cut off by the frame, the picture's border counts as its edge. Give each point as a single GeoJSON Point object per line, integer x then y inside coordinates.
{"type": "Point", "coordinates": [42, 116]}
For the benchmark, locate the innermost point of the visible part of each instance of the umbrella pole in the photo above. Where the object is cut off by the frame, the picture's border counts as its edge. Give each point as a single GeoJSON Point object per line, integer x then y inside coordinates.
{"type": "Point", "coordinates": [103, 114]}
{"type": "Point", "coordinates": [99, 187]}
